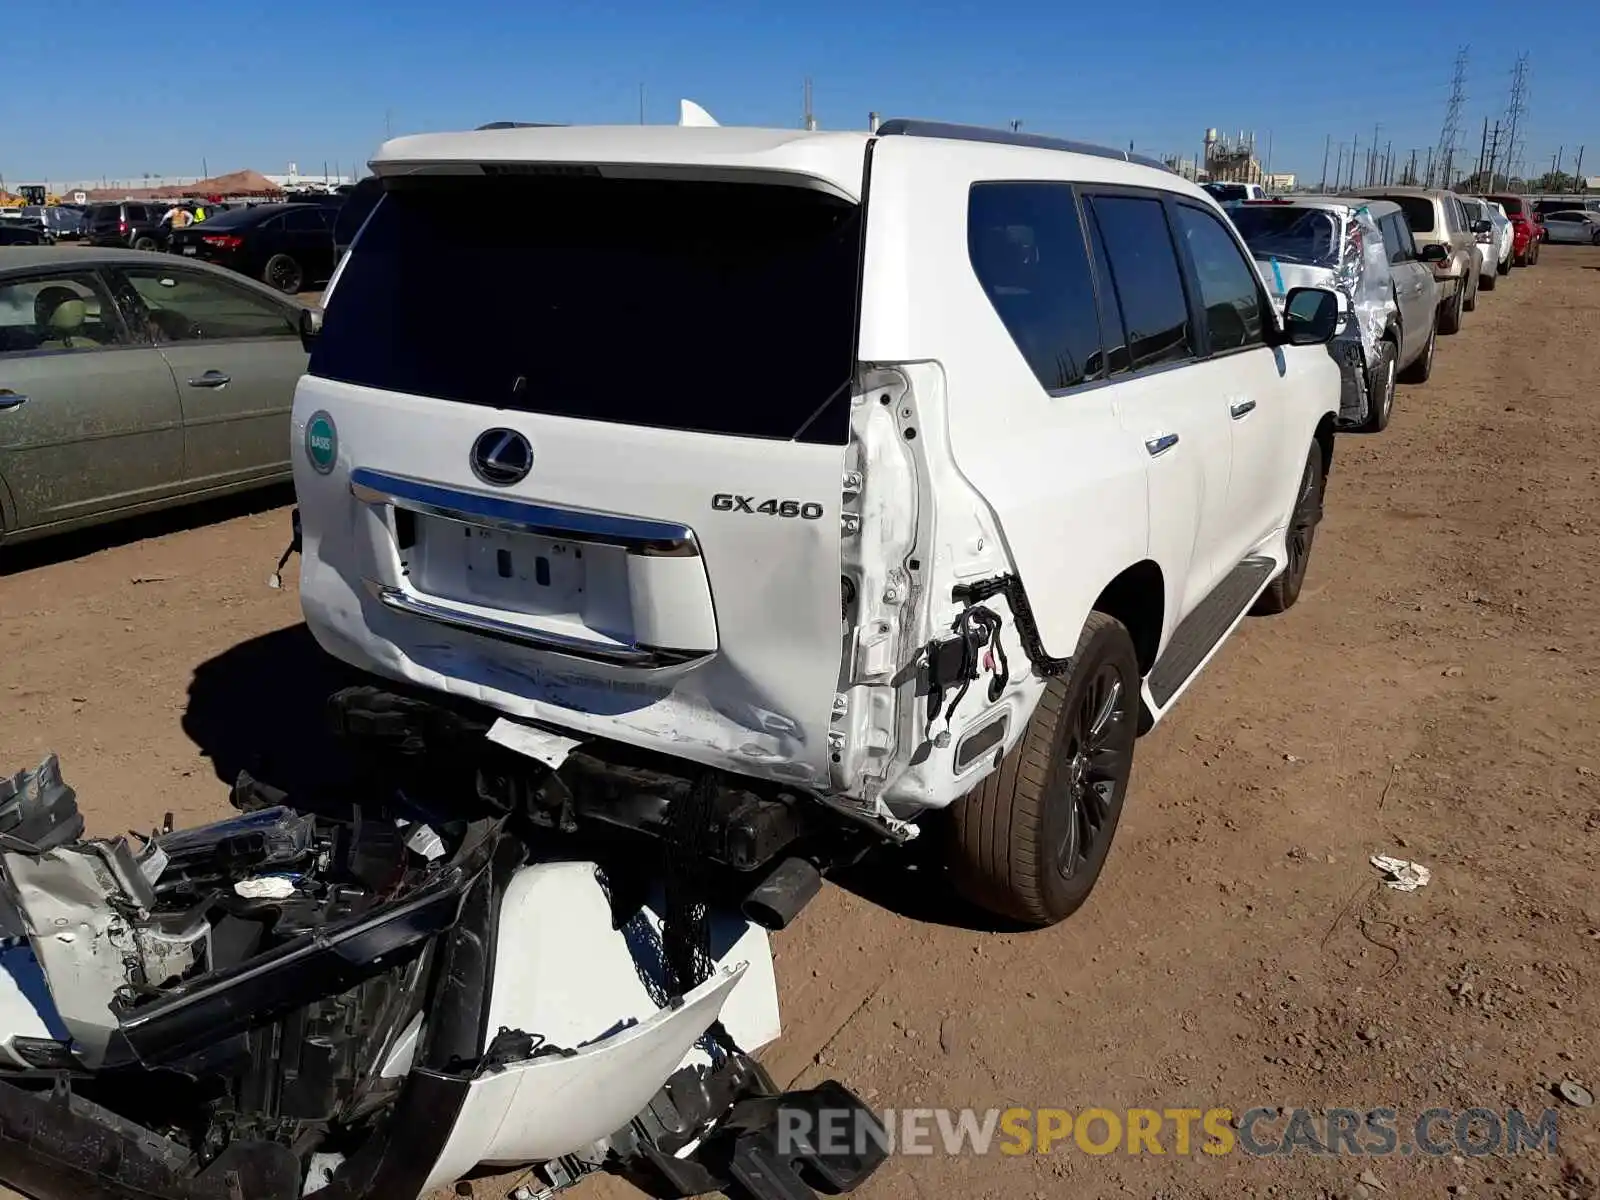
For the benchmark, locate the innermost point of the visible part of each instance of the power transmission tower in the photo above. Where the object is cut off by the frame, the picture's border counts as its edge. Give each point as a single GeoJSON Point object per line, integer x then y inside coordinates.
{"type": "Point", "coordinates": [1516, 114]}
{"type": "Point", "coordinates": [1450, 131]}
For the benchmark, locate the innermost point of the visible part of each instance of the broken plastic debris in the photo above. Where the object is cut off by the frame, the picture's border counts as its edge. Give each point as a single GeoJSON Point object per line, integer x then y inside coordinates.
{"type": "Point", "coordinates": [1401, 875]}
{"type": "Point", "coordinates": [539, 744]}
{"type": "Point", "coordinates": [1574, 1093]}
{"type": "Point", "coordinates": [319, 1174]}
{"type": "Point", "coordinates": [424, 841]}
{"type": "Point", "coordinates": [265, 887]}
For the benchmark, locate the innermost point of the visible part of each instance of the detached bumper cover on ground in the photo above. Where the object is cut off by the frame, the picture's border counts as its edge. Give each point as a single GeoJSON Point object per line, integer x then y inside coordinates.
{"type": "Point", "coordinates": [368, 1004]}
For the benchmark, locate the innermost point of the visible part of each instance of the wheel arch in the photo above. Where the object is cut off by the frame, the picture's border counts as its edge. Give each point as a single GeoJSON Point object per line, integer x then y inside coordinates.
{"type": "Point", "coordinates": [8, 509]}
{"type": "Point", "coordinates": [1324, 440]}
{"type": "Point", "coordinates": [1137, 598]}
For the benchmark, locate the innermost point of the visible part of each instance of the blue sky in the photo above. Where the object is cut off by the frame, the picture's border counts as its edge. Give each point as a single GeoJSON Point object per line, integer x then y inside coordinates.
{"type": "Point", "coordinates": [233, 85]}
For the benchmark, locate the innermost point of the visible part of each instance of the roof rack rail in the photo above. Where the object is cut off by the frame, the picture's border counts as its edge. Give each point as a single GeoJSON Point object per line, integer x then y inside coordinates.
{"type": "Point", "coordinates": [518, 125]}
{"type": "Point", "coordinates": [1006, 137]}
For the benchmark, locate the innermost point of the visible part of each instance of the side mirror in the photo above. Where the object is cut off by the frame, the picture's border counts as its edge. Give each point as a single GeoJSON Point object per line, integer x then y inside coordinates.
{"type": "Point", "coordinates": [1434, 253]}
{"type": "Point", "coordinates": [1310, 316]}
{"type": "Point", "coordinates": [1482, 226]}
{"type": "Point", "coordinates": [310, 326]}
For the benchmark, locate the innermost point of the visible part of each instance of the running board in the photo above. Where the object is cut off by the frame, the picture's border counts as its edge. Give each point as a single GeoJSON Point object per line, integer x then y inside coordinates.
{"type": "Point", "coordinates": [1207, 625]}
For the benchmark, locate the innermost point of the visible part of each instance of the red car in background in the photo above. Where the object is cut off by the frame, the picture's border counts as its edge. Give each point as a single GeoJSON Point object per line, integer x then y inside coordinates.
{"type": "Point", "coordinates": [1525, 230]}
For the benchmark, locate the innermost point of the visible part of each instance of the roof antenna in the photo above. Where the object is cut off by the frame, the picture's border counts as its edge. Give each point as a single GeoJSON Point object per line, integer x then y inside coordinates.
{"type": "Point", "coordinates": [690, 113]}
{"type": "Point", "coordinates": [810, 124]}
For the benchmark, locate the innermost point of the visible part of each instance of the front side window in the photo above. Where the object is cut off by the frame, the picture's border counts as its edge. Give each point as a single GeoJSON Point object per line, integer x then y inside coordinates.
{"type": "Point", "coordinates": [1146, 278]}
{"type": "Point", "coordinates": [1229, 290]}
{"type": "Point", "coordinates": [186, 306]}
{"type": "Point", "coordinates": [57, 313]}
{"type": "Point", "coordinates": [725, 308]}
{"type": "Point", "coordinates": [1027, 249]}
{"type": "Point", "coordinates": [1397, 236]}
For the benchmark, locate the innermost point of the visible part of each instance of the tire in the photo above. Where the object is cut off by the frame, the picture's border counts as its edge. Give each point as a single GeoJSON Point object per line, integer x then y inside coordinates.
{"type": "Point", "coordinates": [1504, 267]}
{"type": "Point", "coordinates": [283, 273]}
{"type": "Point", "coordinates": [1595, 240]}
{"type": "Point", "coordinates": [1283, 591]}
{"type": "Point", "coordinates": [1450, 315]}
{"type": "Point", "coordinates": [1030, 841]}
{"type": "Point", "coordinates": [1486, 283]}
{"type": "Point", "coordinates": [145, 242]}
{"type": "Point", "coordinates": [1422, 368]}
{"type": "Point", "coordinates": [1470, 303]}
{"type": "Point", "coordinates": [1380, 384]}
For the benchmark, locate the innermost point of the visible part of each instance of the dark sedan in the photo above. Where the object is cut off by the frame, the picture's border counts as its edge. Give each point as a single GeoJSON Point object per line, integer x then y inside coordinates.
{"type": "Point", "coordinates": [288, 246]}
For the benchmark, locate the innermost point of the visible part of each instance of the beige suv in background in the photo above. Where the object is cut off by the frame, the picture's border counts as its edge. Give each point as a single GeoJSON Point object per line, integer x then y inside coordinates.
{"type": "Point", "coordinates": [1445, 240]}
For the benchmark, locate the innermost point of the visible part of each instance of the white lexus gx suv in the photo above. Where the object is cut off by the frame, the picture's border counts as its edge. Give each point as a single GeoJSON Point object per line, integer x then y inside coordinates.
{"type": "Point", "coordinates": [778, 491]}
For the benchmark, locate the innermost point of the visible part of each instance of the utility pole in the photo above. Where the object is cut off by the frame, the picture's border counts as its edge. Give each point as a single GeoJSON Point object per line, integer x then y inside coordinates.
{"type": "Point", "coordinates": [1411, 171]}
{"type": "Point", "coordinates": [1268, 171]}
{"type": "Point", "coordinates": [1494, 155]}
{"type": "Point", "coordinates": [641, 104]}
{"type": "Point", "coordinates": [810, 121]}
{"type": "Point", "coordinates": [1388, 163]}
{"type": "Point", "coordinates": [1327, 144]}
{"type": "Point", "coordinates": [1338, 169]}
{"type": "Point", "coordinates": [1372, 155]}
{"type": "Point", "coordinates": [1355, 144]}
{"type": "Point", "coordinates": [1428, 173]}
{"type": "Point", "coordinates": [1483, 149]}
{"type": "Point", "coordinates": [1577, 172]}
{"type": "Point", "coordinates": [388, 123]}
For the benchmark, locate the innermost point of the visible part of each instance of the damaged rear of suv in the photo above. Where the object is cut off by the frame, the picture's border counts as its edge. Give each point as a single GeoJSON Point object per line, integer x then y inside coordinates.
{"type": "Point", "coordinates": [776, 490]}
{"type": "Point", "coordinates": [370, 1003]}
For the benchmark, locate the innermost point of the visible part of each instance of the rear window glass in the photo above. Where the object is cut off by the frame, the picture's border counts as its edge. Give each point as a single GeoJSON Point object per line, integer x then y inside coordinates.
{"type": "Point", "coordinates": [1223, 192]}
{"type": "Point", "coordinates": [716, 307]}
{"type": "Point", "coordinates": [1511, 204]}
{"type": "Point", "coordinates": [1308, 236]}
{"type": "Point", "coordinates": [1418, 211]}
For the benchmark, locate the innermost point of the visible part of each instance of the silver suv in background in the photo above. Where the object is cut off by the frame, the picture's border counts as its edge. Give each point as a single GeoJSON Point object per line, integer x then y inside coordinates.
{"type": "Point", "coordinates": [1444, 236]}
{"type": "Point", "coordinates": [1388, 300]}
{"type": "Point", "coordinates": [1491, 229]}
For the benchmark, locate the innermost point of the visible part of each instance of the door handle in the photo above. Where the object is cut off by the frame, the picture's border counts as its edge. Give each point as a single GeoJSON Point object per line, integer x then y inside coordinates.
{"type": "Point", "coordinates": [1160, 444]}
{"type": "Point", "coordinates": [10, 399]}
{"type": "Point", "coordinates": [1241, 409]}
{"type": "Point", "coordinates": [211, 379]}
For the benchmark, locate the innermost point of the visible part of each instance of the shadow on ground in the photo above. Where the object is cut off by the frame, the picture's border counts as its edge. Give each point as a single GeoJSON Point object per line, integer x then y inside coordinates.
{"type": "Point", "coordinates": [30, 556]}
{"type": "Point", "coordinates": [260, 706]}
{"type": "Point", "coordinates": [912, 882]}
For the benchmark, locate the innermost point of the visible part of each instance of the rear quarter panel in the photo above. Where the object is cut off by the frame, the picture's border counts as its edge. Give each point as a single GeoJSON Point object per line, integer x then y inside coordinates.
{"type": "Point", "coordinates": [1059, 473]}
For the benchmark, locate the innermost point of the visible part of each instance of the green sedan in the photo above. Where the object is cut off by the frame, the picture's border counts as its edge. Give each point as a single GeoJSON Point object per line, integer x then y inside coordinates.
{"type": "Point", "coordinates": [131, 382]}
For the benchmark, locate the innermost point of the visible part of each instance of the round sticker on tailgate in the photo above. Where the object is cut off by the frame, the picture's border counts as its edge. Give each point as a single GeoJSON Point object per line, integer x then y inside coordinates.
{"type": "Point", "coordinates": [322, 442]}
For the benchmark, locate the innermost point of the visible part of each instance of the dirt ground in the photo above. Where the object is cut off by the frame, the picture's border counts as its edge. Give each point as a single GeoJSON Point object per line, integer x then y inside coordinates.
{"type": "Point", "coordinates": [1432, 696]}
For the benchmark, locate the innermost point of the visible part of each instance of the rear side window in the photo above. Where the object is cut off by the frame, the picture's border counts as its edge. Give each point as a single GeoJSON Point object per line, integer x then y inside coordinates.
{"type": "Point", "coordinates": [1026, 246]}
{"type": "Point", "coordinates": [723, 308]}
{"type": "Point", "coordinates": [1228, 287]}
{"type": "Point", "coordinates": [1146, 278]}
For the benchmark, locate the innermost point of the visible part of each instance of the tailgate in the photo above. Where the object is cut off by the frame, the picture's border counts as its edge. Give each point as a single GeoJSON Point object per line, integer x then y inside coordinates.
{"type": "Point", "coordinates": [588, 470]}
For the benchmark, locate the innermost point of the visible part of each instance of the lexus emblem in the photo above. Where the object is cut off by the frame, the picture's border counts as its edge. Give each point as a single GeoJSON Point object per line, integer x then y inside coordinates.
{"type": "Point", "coordinates": [501, 457]}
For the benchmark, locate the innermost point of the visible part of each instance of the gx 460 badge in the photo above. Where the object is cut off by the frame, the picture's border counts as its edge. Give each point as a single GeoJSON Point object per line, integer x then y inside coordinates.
{"type": "Point", "coordinates": [728, 502]}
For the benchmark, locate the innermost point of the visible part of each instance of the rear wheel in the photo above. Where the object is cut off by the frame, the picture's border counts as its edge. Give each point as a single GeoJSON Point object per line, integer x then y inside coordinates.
{"type": "Point", "coordinates": [145, 242]}
{"type": "Point", "coordinates": [1450, 316]}
{"type": "Point", "coordinates": [1419, 371]}
{"type": "Point", "coordinates": [1487, 282]}
{"type": "Point", "coordinates": [1471, 301]}
{"type": "Point", "coordinates": [1380, 388]}
{"type": "Point", "coordinates": [1030, 841]}
{"type": "Point", "coordinates": [1283, 591]}
{"type": "Point", "coordinates": [284, 273]}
